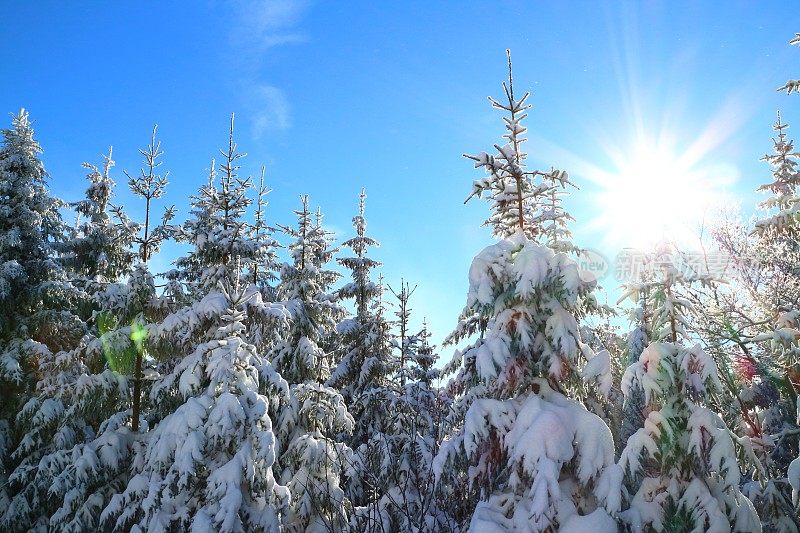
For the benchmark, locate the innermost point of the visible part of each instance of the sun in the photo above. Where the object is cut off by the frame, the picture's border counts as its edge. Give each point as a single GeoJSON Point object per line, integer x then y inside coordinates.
{"type": "Point", "coordinates": [656, 194]}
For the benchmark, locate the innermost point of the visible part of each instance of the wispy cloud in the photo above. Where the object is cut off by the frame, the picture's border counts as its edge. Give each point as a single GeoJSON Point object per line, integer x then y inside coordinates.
{"type": "Point", "coordinates": [268, 109]}
{"type": "Point", "coordinates": [262, 25]}
{"type": "Point", "coordinates": [269, 23]}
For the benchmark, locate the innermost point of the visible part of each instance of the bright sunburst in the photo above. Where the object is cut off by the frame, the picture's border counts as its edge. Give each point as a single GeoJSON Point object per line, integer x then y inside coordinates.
{"type": "Point", "coordinates": [655, 194]}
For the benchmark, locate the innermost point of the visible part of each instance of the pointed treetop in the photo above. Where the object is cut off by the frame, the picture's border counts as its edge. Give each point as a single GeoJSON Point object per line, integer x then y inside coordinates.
{"type": "Point", "coordinates": [786, 177]}
{"type": "Point", "coordinates": [304, 202]}
{"type": "Point", "coordinates": [229, 168]}
{"type": "Point", "coordinates": [108, 162]}
{"type": "Point", "coordinates": [21, 133]}
{"type": "Point", "coordinates": [263, 189]}
{"type": "Point", "coordinates": [149, 184]}
{"type": "Point", "coordinates": [21, 120]}
{"type": "Point", "coordinates": [212, 172]}
{"type": "Point", "coordinates": [261, 201]}
{"type": "Point", "coordinates": [516, 194]}
{"type": "Point", "coordinates": [231, 144]}
{"type": "Point", "coordinates": [510, 77]}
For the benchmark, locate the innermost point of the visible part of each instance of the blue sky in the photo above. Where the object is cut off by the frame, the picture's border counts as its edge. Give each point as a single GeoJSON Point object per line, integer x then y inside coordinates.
{"type": "Point", "coordinates": [333, 96]}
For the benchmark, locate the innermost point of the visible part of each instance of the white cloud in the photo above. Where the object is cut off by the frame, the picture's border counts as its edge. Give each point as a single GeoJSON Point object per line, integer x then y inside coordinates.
{"type": "Point", "coordinates": [268, 23]}
{"type": "Point", "coordinates": [260, 26]}
{"type": "Point", "coordinates": [268, 108]}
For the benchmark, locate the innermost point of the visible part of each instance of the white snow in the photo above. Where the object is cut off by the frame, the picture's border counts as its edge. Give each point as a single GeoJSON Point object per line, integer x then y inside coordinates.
{"type": "Point", "coordinates": [793, 474]}
{"type": "Point", "coordinates": [599, 368]}
{"type": "Point", "coordinates": [597, 521]}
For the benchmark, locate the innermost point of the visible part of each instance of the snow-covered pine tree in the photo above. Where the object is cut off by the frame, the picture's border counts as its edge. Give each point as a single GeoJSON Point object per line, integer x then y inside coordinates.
{"type": "Point", "coordinates": [316, 462]}
{"type": "Point", "coordinates": [556, 219]}
{"type": "Point", "coordinates": [217, 229]}
{"type": "Point", "coordinates": [34, 293]}
{"type": "Point", "coordinates": [307, 288]}
{"type": "Point", "coordinates": [634, 406]}
{"type": "Point", "coordinates": [405, 342]}
{"type": "Point", "coordinates": [100, 250]}
{"type": "Point", "coordinates": [377, 393]}
{"type": "Point", "coordinates": [197, 330]}
{"type": "Point", "coordinates": [522, 454]}
{"type": "Point", "coordinates": [138, 296]}
{"type": "Point", "coordinates": [783, 187]}
{"type": "Point", "coordinates": [313, 460]}
{"type": "Point", "coordinates": [425, 358]}
{"type": "Point", "coordinates": [184, 280]}
{"type": "Point", "coordinates": [220, 237]}
{"type": "Point", "coordinates": [208, 464]}
{"type": "Point", "coordinates": [263, 269]}
{"type": "Point", "coordinates": [516, 198]}
{"type": "Point", "coordinates": [362, 374]}
{"type": "Point", "coordinates": [72, 449]}
{"type": "Point", "coordinates": [36, 317]}
{"type": "Point", "coordinates": [792, 85]}
{"type": "Point", "coordinates": [407, 502]}
{"type": "Point", "coordinates": [681, 465]}
{"type": "Point", "coordinates": [73, 446]}
{"type": "Point", "coordinates": [751, 325]}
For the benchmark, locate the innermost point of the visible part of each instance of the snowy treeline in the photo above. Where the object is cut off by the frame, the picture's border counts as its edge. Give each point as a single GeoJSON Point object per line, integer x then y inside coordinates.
{"type": "Point", "coordinates": [243, 392]}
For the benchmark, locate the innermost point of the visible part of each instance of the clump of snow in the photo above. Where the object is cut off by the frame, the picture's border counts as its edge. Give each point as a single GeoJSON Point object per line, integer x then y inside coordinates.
{"type": "Point", "coordinates": [793, 474]}
{"type": "Point", "coordinates": [598, 368]}
{"type": "Point", "coordinates": [597, 521]}
{"type": "Point", "coordinates": [551, 442]}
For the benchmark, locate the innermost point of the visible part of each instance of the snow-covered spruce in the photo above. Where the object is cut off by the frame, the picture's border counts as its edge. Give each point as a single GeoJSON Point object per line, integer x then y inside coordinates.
{"type": "Point", "coordinates": [208, 465]}
{"type": "Point", "coordinates": [783, 205]}
{"type": "Point", "coordinates": [313, 461]}
{"type": "Point", "coordinates": [362, 373]}
{"type": "Point", "coordinates": [400, 460]}
{"type": "Point", "coordinates": [681, 466]}
{"type": "Point", "coordinates": [149, 185]}
{"type": "Point", "coordinates": [217, 229]}
{"type": "Point", "coordinates": [99, 251]}
{"type": "Point", "coordinates": [517, 199]}
{"type": "Point", "coordinates": [306, 287]}
{"type": "Point", "coordinates": [683, 460]}
{"type": "Point", "coordinates": [264, 265]}
{"type": "Point", "coordinates": [375, 407]}
{"type": "Point", "coordinates": [522, 455]}
{"type": "Point", "coordinates": [223, 243]}
{"type": "Point", "coordinates": [35, 295]}
{"type": "Point", "coordinates": [37, 321]}
{"type": "Point", "coordinates": [315, 464]}
{"type": "Point", "coordinates": [68, 470]}
{"type": "Point", "coordinates": [536, 456]}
